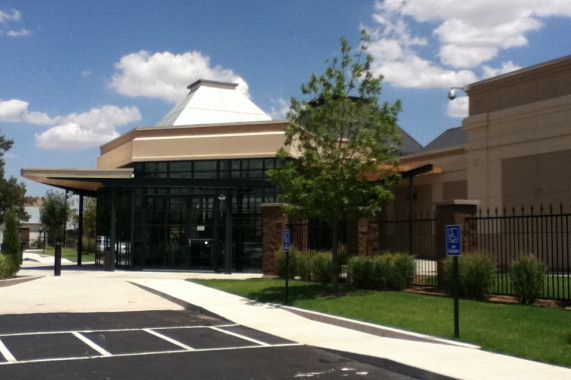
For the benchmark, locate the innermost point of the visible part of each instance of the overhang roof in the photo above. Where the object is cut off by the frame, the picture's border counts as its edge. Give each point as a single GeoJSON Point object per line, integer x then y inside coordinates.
{"type": "Point", "coordinates": [79, 180]}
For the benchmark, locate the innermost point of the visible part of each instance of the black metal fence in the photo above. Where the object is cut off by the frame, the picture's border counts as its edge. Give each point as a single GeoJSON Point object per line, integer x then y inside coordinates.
{"type": "Point", "coordinates": [416, 235]}
{"type": "Point", "coordinates": [542, 232]}
{"type": "Point", "coordinates": [507, 234]}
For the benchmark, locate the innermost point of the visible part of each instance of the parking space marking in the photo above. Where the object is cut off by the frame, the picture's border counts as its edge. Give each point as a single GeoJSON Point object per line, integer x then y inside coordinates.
{"type": "Point", "coordinates": [239, 336]}
{"type": "Point", "coordinates": [169, 339]}
{"type": "Point", "coordinates": [11, 359]}
{"type": "Point", "coordinates": [6, 353]}
{"type": "Point", "coordinates": [91, 344]}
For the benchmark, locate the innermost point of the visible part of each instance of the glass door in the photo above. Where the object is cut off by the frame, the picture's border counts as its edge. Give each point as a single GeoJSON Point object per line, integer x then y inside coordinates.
{"type": "Point", "coordinates": [201, 232]}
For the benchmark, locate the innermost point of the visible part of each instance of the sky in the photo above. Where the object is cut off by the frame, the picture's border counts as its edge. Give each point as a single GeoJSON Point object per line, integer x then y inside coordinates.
{"type": "Point", "coordinates": [76, 74]}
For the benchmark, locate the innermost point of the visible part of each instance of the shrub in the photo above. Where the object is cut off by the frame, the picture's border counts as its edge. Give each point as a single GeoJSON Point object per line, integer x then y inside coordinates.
{"type": "Point", "coordinates": [476, 275]}
{"type": "Point", "coordinates": [384, 272]}
{"type": "Point", "coordinates": [281, 263]}
{"type": "Point", "coordinates": [403, 268]}
{"type": "Point", "coordinates": [528, 277]}
{"type": "Point", "coordinates": [303, 265]}
{"type": "Point", "coordinates": [321, 266]}
{"type": "Point", "coordinates": [360, 271]}
{"type": "Point", "coordinates": [8, 265]}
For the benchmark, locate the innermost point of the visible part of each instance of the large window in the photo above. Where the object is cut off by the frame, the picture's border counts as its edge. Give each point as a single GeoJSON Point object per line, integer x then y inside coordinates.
{"type": "Point", "coordinates": [162, 215]}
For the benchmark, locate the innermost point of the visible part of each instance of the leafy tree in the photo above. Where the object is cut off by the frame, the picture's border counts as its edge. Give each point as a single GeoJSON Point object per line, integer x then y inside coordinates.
{"type": "Point", "coordinates": [54, 214]}
{"type": "Point", "coordinates": [340, 135]}
{"type": "Point", "coordinates": [11, 246]}
{"type": "Point", "coordinates": [12, 193]}
{"type": "Point", "coordinates": [89, 220]}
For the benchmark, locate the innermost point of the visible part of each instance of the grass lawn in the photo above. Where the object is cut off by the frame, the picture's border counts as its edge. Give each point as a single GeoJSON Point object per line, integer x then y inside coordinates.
{"type": "Point", "coordinates": [525, 331]}
{"type": "Point", "coordinates": [71, 254]}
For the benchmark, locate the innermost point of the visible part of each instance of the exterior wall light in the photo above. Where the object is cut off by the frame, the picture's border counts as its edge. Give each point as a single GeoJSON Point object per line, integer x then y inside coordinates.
{"type": "Point", "coordinates": [452, 92]}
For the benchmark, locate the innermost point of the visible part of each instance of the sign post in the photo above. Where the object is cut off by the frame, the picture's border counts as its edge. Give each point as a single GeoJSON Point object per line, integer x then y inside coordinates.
{"type": "Point", "coordinates": [286, 247]}
{"type": "Point", "coordinates": [454, 249]}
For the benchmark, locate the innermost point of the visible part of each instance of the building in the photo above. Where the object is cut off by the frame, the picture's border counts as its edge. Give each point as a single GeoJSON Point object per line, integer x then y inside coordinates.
{"type": "Point", "coordinates": [513, 149]}
{"type": "Point", "coordinates": [188, 192]}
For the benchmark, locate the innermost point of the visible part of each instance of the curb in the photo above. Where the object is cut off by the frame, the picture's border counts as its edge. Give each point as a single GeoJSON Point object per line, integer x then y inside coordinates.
{"type": "Point", "coordinates": [374, 329]}
{"type": "Point", "coordinates": [17, 280]}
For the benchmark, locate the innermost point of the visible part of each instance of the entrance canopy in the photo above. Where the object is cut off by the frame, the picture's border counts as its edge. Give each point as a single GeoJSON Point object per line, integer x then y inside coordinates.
{"type": "Point", "coordinates": [78, 180]}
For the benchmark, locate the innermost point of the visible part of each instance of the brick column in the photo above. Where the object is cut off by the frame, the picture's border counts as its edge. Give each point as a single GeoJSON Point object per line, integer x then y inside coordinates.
{"type": "Point", "coordinates": [358, 238]}
{"type": "Point", "coordinates": [451, 212]}
{"type": "Point", "coordinates": [274, 223]}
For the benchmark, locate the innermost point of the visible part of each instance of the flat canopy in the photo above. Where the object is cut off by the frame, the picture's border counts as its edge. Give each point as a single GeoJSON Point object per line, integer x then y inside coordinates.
{"type": "Point", "coordinates": [79, 180]}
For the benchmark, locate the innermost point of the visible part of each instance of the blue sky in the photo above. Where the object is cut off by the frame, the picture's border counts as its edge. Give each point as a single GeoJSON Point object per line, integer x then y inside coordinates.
{"type": "Point", "coordinates": [75, 74]}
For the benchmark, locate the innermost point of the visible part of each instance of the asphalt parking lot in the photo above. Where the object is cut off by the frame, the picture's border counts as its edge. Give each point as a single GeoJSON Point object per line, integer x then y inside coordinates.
{"type": "Point", "coordinates": [170, 344]}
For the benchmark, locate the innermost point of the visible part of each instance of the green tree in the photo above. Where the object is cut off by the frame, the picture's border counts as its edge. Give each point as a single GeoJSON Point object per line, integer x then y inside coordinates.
{"type": "Point", "coordinates": [12, 193]}
{"type": "Point", "coordinates": [54, 214]}
{"type": "Point", "coordinates": [340, 135]}
{"type": "Point", "coordinates": [11, 246]}
{"type": "Point", "coordinates": [89, 220]}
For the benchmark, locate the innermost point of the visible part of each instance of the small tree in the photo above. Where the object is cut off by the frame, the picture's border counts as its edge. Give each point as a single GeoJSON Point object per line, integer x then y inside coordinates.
{"type": "Point", "coordinates": [340, 134]}
{"type": "Point", "coordinates": [54, 214]}
{"type": "Point", "coordinates": [89, 221]}
{"type": "Point", "coordinates": [12, 193]}
{"type": "Point", "coordinates": [11, 246]}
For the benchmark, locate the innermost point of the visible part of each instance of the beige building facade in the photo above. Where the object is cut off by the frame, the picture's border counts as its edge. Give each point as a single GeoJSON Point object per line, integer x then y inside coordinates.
{"type": "Point", "coordinates": [513, 150]}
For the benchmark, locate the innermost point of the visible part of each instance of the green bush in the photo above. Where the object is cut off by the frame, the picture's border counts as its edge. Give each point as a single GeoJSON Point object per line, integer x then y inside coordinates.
{"type": "Point", "coordinates": [528, 277]}
{"type": "Point", "coordinates": [383, 272]}
{"type": "Point", "coordinates": [402, 274]}
{"type": "Point", "coordinates": [476, 275]}
{"type": "Point", "coordinates": [361, 272]}
{"type": "Point", "coordinates": [281, 263]}
{"type": "Point", "coordinates": [8, 265]}
{"type": "Point", "coordinates": [321, 266]}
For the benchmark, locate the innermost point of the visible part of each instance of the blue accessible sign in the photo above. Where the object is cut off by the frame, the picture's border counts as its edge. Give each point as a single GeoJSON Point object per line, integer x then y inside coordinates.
{"type": "Point", "coordinates": [287, 240]}
{"type": "Point", "coordinates": [453, 240]}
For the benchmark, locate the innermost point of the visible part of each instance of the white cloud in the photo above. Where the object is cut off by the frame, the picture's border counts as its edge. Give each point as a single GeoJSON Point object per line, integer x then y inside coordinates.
{"type": "Point", "coordinates": [19, 33]}
{"type": "Point", "coordinates": [75, 131]}
{"type": "Point", "coordinates": [89, 129]}
{"type": "Point", "coordinates": [507, 67]}
{"type": "Point", "coordinates": [280, 110]}
{"type": "Point", "coordinates": [166, 75]}
{"type": "Point", "coordinates": [13, 109]}
{"type": "Point", "coordinates": [465, 36]}
{"type": "Point", "coordinates": [6, 16]}
{"type": "Point", "coordinates": [13, 16]}
{"type": "Point", "coordinates": [458, 107]}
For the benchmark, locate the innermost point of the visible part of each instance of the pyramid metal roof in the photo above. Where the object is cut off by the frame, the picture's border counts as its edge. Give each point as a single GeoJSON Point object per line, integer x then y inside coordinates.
{"type": "Point", "coordinates": [212, 102]}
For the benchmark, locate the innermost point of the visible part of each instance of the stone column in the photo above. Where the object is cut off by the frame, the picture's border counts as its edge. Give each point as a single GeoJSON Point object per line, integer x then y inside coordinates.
{"type": "Point", "coordinates": [451, 212]}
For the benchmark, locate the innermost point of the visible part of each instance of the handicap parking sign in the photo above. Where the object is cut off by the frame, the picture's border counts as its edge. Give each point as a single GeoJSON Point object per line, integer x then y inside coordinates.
{"type": "Point", "coordinates": [453, 240]}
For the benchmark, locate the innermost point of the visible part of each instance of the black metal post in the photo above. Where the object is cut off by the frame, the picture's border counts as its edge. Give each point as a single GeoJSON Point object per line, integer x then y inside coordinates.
{"type": "Point", "coordinates": [287, 279]}
{"type": "Point", "coordinates": [80, 231]}
{"type": "Point", "coordinates": [456, 301]}
{"type": "Point", "coordinates": [228, 235]}
{"type": "Point", "coordinates": [57, 260]}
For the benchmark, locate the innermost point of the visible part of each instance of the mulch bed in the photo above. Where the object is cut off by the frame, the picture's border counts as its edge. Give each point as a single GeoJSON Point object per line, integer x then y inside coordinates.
{"type": "Point", "coordinates": [494, 298]}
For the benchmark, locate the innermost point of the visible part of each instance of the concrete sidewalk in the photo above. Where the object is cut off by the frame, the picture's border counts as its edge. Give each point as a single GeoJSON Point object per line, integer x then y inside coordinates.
{"type": "Point", "coordinates": [84, 290]}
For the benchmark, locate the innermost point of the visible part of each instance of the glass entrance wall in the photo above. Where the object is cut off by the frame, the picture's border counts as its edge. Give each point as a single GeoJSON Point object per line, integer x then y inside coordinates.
{"type": "Point", "coordinates": [182, 220]}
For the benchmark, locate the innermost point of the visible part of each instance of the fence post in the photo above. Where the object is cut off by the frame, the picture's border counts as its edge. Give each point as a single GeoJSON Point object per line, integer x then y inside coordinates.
{"type": "Point", "coordinates": [450, 212]}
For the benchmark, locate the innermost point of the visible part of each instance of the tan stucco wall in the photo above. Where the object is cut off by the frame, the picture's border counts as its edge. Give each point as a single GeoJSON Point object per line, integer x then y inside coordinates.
{"type": "Point", "coordinates": [245, 140]}
{"type": "Point", "coordinates": [495, 139]}
{"type": "Point", "coordinates": [432, 187]}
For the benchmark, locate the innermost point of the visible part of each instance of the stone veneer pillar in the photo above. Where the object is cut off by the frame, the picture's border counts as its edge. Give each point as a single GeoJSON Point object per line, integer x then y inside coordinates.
{"type": "Point", "coordinates": [452, 212]}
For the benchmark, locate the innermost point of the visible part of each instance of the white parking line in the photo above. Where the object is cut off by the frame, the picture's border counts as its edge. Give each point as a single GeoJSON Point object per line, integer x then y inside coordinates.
{"type": "Point", "coordinates": [91, 344]}
{"type": "Point", "coordinates": [6, 353]}
{"type": "Point", "coordinates": [240, 336]}
{"type": "Point", "coordinates": [169, 339]}
{"type": "Point", "coordinates": [10, 359]}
